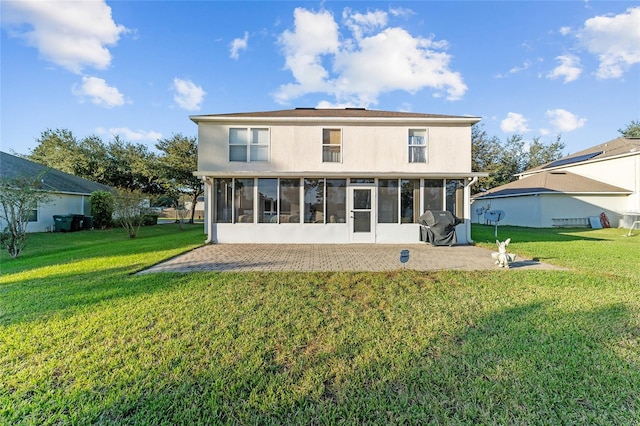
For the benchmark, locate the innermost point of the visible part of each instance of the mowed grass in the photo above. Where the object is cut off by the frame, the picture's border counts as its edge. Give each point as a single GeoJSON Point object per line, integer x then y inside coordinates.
{"type": "Point", "coordinates": [84, 340]}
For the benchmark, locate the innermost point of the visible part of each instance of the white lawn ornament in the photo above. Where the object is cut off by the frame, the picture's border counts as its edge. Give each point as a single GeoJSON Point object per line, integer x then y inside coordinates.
{"type": "Point", "coordinates": [502, 258]}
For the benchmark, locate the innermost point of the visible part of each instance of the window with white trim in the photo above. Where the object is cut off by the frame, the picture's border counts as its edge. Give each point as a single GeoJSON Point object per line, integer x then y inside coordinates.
{"type": "Point", "coordinates": [248, 144]}
{"type": "Point", "coordinates": [418, 139]}
{"type": "Point", "coordinates": [331, 145]}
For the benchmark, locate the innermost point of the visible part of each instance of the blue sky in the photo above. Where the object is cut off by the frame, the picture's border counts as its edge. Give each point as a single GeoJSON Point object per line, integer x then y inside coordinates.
{"type": "Point", "coordinates": [140, 68]}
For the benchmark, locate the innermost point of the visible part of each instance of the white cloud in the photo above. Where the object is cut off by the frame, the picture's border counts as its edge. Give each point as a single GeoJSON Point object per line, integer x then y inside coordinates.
{"type": "Point", "coordinates": [188, 95]}
{"type": "Point", "coordinates": [564, 121]}
{"type": "Point", "coordinates": [401, 11]}
{"type": "Point", "coordinates": [131, 135]}
{"type": "Point", "coordinates": [375, 61]}
{"type": "Point", "coordinates": [514, 123]}
{"type": "Point", "coordinates": [615, 40]}
{"type": "Point", "coordinates": [239, 44]}
{"type": "Point", "coordinates": [569, 68]}
{"type": "Point", "coordinates": [99, 92]}
{"type": "Point", "coordinates": [565, 30]}
{"type": "Point", "coordinates": [361, 24]}
{"type": "Point", "coordinates": [71, 34]}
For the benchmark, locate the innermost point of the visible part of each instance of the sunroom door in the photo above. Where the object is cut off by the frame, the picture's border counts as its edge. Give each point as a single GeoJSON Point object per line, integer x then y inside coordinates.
{"type": "Point", "coordinates": [361, 217]}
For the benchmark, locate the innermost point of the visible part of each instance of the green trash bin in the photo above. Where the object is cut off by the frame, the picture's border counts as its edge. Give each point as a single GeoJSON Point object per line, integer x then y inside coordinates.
{"type": "Point", "coordinates": [62, 223]}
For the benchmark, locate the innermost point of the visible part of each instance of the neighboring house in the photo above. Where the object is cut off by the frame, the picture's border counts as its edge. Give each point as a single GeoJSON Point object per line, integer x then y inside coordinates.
{"type": "Point", "coordinates": [567, 192]}
{"type": "Point", "coordinates": [349, 175]}
{"type": "Point", "coordinates": [70, 194]}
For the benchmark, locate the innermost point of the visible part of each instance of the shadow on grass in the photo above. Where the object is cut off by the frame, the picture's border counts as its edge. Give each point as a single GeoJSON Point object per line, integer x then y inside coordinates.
{"type": "Point", "coordinates": [529, 364]}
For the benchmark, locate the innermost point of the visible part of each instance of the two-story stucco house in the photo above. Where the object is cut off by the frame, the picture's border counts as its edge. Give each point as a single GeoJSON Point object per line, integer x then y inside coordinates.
{"type": "Point", "coordinates": [349, 175]}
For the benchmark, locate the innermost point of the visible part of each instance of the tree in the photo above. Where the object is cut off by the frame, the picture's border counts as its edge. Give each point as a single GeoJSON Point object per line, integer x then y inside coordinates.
{"type": "Point", "coordinates": [129, 210]}
{"type": "Point", "coordinates": [131, 167]}
{"type": "Point", "coordinates": [119, 164]}
{"type": "Point", "coordinates": [92, 160]}
{"type": "Point", "coordinates": [540, 153]}
{"type": "Point", "coordinates": [102, 209]}
{"type": "Point", "coordinates": [512, 160]}
{"type": "Point", "coordinates": [57, 149]}
{"type": "Point", "coordinates": [18, 198]}
{"type": "Point", "coordinates": [504, 161]}
{"type": "Point", "coordinates": [177, 164]}
{"type": "Point", "coordinates": [485, 155]}
{"type": "Point", "coordinates": [632, 130]}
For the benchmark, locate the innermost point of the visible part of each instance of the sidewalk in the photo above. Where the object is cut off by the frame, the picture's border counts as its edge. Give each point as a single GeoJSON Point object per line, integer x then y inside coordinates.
{"type": "Point", "coordinates": [335, 257]}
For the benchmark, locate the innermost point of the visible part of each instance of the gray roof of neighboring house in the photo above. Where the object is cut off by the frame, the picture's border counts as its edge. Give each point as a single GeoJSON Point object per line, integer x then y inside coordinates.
{"type": "Point", "coordinates": [54, 180]}
{"type": "Point", "coordinates": [348, 113]}
{"type": "Point", "coordinates": [551, 182]}
{"type": "Point", "coordinates": [612, 148]}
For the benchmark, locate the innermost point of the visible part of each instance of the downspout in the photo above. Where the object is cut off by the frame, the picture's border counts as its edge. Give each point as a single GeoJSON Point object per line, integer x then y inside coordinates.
{"type": "Point", "coordinates": [467, 203]}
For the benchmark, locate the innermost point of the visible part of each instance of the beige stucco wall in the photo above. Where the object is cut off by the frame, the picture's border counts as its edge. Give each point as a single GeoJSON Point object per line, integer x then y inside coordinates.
{"type": "Point", "coordinates": [370, 149]}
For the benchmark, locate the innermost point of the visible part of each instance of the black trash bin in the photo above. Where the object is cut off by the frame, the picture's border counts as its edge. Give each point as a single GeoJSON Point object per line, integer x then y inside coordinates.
{"type": "Point", "coordinates": [438, 227]}
{"type": "Point", "coordinates": [87, 222]}
{"type": "Point", "coordinates": [76, 222]}
{"type": "Point", "coordinates": [62, 223]}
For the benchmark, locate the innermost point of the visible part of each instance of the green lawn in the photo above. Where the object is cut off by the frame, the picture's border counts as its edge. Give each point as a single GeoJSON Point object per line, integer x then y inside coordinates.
{"type": "Point", "coordinates": [83, 340]}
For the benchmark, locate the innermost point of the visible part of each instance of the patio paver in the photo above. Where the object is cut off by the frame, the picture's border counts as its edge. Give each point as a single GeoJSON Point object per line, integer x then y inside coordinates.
{"type": "Point", "coordinates": [335, 257]}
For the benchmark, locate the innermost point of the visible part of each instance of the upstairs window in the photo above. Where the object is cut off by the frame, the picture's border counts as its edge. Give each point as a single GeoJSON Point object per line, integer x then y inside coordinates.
{"type": "Point", "coordinates": [248, 145]}
{"type": "Point", "coordinates": [418, 145]}
{"type": "Point", "coordinates": [331, 146]}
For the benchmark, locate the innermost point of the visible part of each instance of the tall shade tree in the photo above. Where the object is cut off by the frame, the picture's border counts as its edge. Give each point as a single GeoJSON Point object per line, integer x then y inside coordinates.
{"type": "Point", "coordinates": [178, 161]}
{"type": "Point", "coordinates": [118, 163]}
{"type": "Point", "coordinates": [540, 154]}
{"type": "Point", "coordinates": [632, 130]}
{"type": "Point", "coordinates": [485, 156]}
{"type": "Point", "coordinates": [132, 167]}
{"type": "Point", "coordinates": [57, 149]}
{"type": "Point", "coordinates": [19, 196]}
{"type": "Point", "coordinates": [505, 160]}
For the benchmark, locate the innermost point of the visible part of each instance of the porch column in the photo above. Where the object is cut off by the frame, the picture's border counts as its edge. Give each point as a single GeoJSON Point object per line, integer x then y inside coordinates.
{"type": "Point", "coordinates": [210, 208]}
{"type": "Point", "coordinates": [467, 205]}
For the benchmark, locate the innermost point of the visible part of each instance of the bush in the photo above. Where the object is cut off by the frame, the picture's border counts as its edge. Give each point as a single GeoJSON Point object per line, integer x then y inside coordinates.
{"type": "Point", "coordinates": [102, 209]}
{"type": "Point", "coordinates": [128, 208]}
{"type": "Point", "coordinates": [150, 219]}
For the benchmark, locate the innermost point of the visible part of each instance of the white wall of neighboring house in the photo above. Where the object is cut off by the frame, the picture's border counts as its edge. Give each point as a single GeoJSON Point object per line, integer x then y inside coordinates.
{"type": "Point", "coordinates": [623, 172]}
{"type": "Point", "coordinates": [539, 211]}
{"type": "Point", "coordinates": [60, 204]}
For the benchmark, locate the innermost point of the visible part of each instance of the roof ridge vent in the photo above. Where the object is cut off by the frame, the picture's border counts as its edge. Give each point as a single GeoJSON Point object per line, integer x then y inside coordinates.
{"type": "Point", "coordinates": [305, 108]}
{"type": "Point", "coordinates": [355, 109]}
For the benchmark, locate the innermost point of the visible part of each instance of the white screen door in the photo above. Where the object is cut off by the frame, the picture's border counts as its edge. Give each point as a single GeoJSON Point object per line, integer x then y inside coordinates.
{"type": "Point", "coordinates": [361, 217]}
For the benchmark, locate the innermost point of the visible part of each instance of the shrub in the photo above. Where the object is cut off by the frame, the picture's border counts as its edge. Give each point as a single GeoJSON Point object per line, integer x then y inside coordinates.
{"type": "Point", "coordinates": [150, 219]}
{"type": "Point", "coordinates": [129, 210]}
{"type": "Point", "coordinates": [18, 197]}
{"type": "Point", "coordinates": [102, 209]}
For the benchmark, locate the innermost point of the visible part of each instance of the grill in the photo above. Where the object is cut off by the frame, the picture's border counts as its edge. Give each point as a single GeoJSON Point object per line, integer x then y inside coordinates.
{"type": "Point", "coordinates": [438, 227]}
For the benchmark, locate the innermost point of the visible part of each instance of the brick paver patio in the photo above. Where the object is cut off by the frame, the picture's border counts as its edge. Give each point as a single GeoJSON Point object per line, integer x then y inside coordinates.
{"type": "Point", "coordinates": [335, 257]}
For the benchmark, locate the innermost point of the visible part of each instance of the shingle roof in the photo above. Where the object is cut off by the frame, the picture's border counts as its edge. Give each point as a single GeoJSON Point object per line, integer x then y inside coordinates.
{"type": "Point", "coordinates": [334, 113]}
{"type": "Point", "coordinates": [612, 148]}
{"type": "Point", "coordinates": [549, 182]}
{"type": "Point", "coordinates": [54, 180]}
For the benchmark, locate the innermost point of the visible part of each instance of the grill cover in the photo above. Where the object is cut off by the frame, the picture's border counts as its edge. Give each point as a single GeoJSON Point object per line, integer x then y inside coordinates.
{"type": "Point", "coordinates": [438, 227]}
